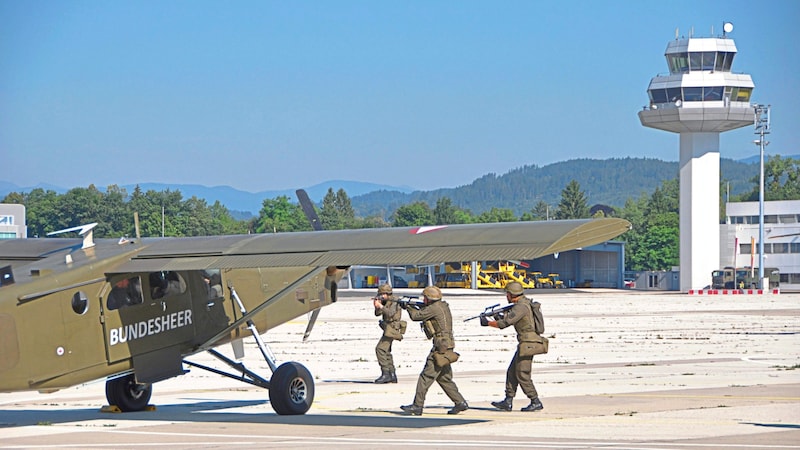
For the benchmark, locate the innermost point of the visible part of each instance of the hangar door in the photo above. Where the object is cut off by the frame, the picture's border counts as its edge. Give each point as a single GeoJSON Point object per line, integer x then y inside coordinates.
{"type": "Point", "coordinates": [600, 267]}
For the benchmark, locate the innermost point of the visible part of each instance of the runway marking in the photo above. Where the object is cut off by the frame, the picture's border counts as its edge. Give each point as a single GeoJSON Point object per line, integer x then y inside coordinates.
{"type": "Point", "coordinates": [725, 397]}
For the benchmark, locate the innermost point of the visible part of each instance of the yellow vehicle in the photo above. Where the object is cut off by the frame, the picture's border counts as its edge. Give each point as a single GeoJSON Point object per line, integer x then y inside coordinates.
{"type": "Point", "coordinates": [556, 279]}
{"type": "Point", "coordinates": [452, 280]}
{"type": "Point", "coordinates": [514, 273]}
{"type": "Point", "coordinates": [541, 281]}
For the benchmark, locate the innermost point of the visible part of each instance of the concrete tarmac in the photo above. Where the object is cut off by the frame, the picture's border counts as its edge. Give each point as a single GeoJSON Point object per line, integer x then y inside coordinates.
{"type": "Point", "coordinates": [626, 370]}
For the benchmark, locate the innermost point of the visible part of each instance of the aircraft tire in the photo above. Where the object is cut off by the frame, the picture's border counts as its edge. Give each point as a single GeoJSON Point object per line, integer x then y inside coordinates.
{"type": "Point", "coordinates": [127, 394]}
{"type": "Point", "coordinates": [291, 389]}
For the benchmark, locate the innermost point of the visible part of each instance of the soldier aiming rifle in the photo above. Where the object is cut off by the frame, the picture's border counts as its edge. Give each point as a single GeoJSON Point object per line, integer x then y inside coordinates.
{"type": "Point", "coordinates": [526, 317]}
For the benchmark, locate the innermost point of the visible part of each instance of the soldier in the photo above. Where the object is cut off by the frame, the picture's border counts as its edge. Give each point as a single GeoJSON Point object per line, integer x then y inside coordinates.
{"type": "Point", "coordinates": [437, 322]}
{"type": "Point", "coordinates": [519, 371]}
{"type": "Point", "coordinates": [386, 306]}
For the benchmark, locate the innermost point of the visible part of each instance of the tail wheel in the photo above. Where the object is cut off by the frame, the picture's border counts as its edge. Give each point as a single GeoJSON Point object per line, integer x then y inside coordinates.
{"type": "Point", "coordinates": [291, 389]}
{"type": "Point", "coordinates": [127, 394]}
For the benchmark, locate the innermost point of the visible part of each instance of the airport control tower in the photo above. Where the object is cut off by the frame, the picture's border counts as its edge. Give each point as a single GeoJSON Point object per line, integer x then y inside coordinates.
{"type": "Point", "coordinates": [699, 99]}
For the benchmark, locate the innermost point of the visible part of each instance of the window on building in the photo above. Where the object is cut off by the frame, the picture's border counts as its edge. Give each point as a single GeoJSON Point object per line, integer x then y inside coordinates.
{"type": "Point", "coordinates": [712, 94]}
{"type": "Point", "coordinates": [745, 249]}
{"type": "Point", "coordinates": [781, 247]}
{"type": "Point", "coordinates": [744, 94]}
{"type": "Point", "coordinates": [692, 94]}
{"type": "Point", "coordinates": [794, 247]}
{"type": "Point", "coordinates": [771, 219]}
{"type": "Point", "coordinates": [787, 218]}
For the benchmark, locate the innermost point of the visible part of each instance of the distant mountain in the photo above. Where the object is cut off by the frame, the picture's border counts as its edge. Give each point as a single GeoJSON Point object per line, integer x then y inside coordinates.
{"type": "Point", "coordinates": [756, 159]}
{"type": "Point", "coordinates": [233, 199]}
{"type": "Point", "coordinates": [605, 181]}
{"type": "Point", "coordinates": [608, 181]}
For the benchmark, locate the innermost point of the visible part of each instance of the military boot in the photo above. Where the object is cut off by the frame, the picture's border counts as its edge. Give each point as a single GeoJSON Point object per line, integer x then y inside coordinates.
{"type": "Point", "coordinates": [459, 407]}
{"type": "Point", "coordinates": [413, 410]}
{"type": "Point", "coordinates": [394, 377]}
{"type": "Point", "coordinates": [535, 405]}
{"type": "Point", "coordinates": [386, 377]}
{"type": "Point", "coordinates": [504, 405]}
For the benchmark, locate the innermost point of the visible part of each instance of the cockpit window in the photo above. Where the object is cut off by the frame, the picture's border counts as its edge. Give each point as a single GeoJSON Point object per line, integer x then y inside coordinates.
{"type": "Point", "coordinates": [166, 284]}
{"type": "Point", "coordinates": [126, 292]}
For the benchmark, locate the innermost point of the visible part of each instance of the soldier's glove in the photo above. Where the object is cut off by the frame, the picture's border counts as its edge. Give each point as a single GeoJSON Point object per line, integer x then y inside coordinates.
{"type": "Point", "coordinates": [484, 321]}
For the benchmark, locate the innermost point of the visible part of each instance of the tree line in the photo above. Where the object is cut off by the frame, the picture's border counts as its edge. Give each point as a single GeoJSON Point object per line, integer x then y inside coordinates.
{"type": "Point", "coordinates": [652, 243]}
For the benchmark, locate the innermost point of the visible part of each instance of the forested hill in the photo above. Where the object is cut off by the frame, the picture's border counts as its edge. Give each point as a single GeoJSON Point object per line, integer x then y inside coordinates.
{"type": "Point", "coordinates": [605, 181]}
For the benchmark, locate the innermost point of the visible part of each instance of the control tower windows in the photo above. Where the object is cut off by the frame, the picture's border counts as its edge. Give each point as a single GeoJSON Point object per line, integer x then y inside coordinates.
{"type": "Point", "coordinates": [658, 96]}
{"type": "Point", "coordinates": [700, 61]}
{"type": "Point", "coordinates": [678, 63]}
{"type": "Point", "coordinates": [711, 94]}
{"type": "Point", "coordinates": [700, 94]}
{"type": "Point", "coordinates": [741, 94]}
{"type": "Point", "coordinates": [674, 94]}
{"type": "Point", "coordinates": [724, 61]}
{"type": "Point", "coordinates": [693, 94]}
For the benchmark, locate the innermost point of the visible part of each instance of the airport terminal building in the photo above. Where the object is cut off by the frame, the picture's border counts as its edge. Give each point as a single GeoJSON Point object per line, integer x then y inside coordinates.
{"type": "Point", "coordinates": [739, 238]}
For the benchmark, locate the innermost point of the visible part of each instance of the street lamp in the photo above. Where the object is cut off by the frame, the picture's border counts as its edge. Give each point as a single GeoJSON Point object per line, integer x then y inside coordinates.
{"type": "Point", "coordinates": [762, 128]}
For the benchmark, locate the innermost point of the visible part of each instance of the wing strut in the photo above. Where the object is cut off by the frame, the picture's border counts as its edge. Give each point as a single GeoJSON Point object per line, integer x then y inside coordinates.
{"type": "Point", "coordinates": [265, 351]}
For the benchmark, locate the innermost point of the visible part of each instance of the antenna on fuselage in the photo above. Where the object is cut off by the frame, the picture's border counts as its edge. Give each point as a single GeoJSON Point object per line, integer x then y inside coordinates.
{"type": "Point", "coordinates": [85, 231]}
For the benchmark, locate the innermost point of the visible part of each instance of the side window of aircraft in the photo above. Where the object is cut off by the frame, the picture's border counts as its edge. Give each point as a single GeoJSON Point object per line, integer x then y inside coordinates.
{"type": "Point", "coordinates": [213, 283]}
{"type": "Point", "coordinates": [166, 284]}
{"type": "Point", "coordinates": [126, 292]}
{"type": "Point", "coordinates": [6, 276]}
{"type": "Point", "coordinates": [80, 303]}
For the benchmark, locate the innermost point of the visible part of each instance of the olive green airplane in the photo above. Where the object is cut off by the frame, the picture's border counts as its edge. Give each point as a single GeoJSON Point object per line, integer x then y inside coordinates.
{"type": "Point", "coordinates": [132, 310]}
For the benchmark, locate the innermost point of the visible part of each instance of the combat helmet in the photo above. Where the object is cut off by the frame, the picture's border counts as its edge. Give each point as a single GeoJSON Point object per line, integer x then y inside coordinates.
{"type": "Point", "coordinates": [384, 289]}
{"type": "Point", "coordinates": [514, 288]}
{"type": "Point", "coordinates": [433, 293]}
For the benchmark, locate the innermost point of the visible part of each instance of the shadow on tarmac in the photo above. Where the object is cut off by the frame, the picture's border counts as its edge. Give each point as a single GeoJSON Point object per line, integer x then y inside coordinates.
{"type": "Point", "coordinates": [211, 412]}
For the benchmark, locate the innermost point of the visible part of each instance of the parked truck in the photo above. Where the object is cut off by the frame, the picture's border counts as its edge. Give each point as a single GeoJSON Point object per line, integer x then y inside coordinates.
{"type": "Point", "coordinates": [743, 278]}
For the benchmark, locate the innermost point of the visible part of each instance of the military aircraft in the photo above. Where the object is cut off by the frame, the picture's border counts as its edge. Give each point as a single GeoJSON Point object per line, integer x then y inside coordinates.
{"type": "Point", "coordinates": [132, 310]}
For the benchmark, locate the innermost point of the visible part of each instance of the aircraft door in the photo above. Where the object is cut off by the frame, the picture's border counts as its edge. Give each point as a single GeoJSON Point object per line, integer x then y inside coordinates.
{"type": "Point", "coordinates": [146, 312]}
{"type": "Point", "coordinates": [81, 315]}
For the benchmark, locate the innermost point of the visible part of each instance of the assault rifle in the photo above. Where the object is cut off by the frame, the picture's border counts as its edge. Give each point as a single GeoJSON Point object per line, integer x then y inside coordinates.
{"type": "Point", "coordinates": [410, 302]}
{"type": "Point", "coordinates": [492, 311]}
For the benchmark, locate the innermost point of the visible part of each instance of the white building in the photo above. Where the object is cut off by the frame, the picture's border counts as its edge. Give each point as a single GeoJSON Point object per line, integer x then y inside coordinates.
{"type": "Point", "coordinates": [739, 238]}
{"type": "Point", "coordinates": [12, 221]}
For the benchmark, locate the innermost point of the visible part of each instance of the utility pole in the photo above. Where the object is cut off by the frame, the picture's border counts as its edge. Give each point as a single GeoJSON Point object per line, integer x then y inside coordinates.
{"type": "Point", "coordinates": [762, 129]}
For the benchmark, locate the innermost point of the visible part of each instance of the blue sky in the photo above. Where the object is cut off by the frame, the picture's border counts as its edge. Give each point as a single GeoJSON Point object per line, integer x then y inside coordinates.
{"type": "Point", "coordinates": [263, 95]}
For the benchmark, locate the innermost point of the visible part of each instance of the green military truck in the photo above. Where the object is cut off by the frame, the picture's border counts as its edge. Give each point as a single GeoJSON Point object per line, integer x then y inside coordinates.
{"type": "Point", "coordinates": [743, 278]}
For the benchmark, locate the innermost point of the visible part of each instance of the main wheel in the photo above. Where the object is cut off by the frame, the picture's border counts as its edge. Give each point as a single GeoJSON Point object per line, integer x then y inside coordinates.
{"type": "Point", "coordinates": [291, 389]}
{"type": "Point", "coordinates": [127, 394]}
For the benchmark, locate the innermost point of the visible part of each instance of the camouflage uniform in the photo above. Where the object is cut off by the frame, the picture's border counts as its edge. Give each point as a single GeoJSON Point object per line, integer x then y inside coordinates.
{"type": "Point", "coordinates": [438, 325]}
{"type": "Point", "coordinates": [519, 371]}
{"type": "Point", "coordinates": [391, 314]}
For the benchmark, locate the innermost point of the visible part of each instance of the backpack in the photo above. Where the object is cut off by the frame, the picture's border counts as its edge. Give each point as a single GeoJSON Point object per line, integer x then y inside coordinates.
{"type": "Point", "coordinates": [538, 319]}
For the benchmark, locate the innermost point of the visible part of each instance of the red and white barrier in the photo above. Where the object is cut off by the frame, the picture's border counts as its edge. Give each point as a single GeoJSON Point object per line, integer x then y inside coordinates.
{"type": "Point", "coordinates": [733, 291]}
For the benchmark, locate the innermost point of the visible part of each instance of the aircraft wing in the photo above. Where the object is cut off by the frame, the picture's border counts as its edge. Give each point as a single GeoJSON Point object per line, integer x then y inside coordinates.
{"type": "Point", "coordinates": [378, 246]}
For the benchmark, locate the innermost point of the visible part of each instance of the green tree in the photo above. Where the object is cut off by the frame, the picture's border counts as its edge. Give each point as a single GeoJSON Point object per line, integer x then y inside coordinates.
{"type": "Point", "coordinates": [540, 211]}
{"type": "Point", "coordinates": [337, 211]}
{"type": "Point", "coordinates": [279, 215]}
{"type": "Point", "coordinates": [653, 242]}
{"type": "Point", "coordinates": [414, 214]}
{"type": "Point", "coordinates": [496, 215]}
{"type": "Point", "coordinates": [781, 180]}
{"type": "Point", "coordinates": [573, 204]}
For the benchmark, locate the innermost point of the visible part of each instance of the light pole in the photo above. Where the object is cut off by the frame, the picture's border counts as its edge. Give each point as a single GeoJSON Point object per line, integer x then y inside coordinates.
{"type": "Point", "coordinates": [762, 128]}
